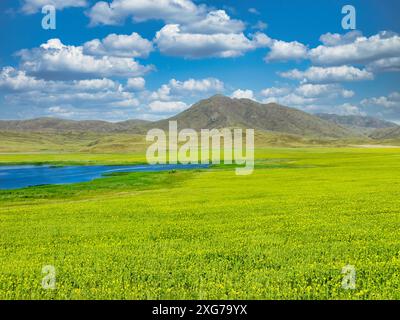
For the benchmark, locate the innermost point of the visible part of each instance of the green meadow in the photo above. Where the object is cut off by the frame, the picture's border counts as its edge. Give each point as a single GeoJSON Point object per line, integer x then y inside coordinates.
{"type": "Point", "coordinates": [284, 232]}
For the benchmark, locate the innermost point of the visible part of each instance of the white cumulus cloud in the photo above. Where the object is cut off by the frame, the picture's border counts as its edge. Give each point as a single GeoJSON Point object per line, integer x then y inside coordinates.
{"type": "Point", "coordinates": [117, 11]}
{"type": "Point", "coordinates": [17, 80]}
{"type": "Point", "coordinates": [136, 84]}
{"type": "Point", "coordinates": [390, 101]}
{"type": "Point", "coordinates": [335, 39]}
{"type": "Point", "coordinates": [348, 109]}
{"type": "Point", "coordinates": [197, 85]}
{"type": "Point", "coordinates": [129, 46]}
{"type": "Point", "coordinates": [283, 51]}
{"type": "Point", "coordinates": [167, 106]}
{"type": "Point", "coordinates": [275, 91]}
{"type": "Point", "coordinates": [320, 90]}
{"type": "Point", "coordinates": [55, 60]}
{"type": "Point", "coordinates": [356, 49]}
{"type": "Point", "coordinates": [192, 87]}
{"type": "Point", "coordinates": [385, 65]}
{"type": "Point", "coordinates": [330, 74]}
{"type": "Point", "coordinates": [33, 6]}
{"type": "Point", "coordinates": [171, 40]}
{"type": "Point", "coordinates": [217, 21]}
{"type": "Point", "coordinates": [243, 94]}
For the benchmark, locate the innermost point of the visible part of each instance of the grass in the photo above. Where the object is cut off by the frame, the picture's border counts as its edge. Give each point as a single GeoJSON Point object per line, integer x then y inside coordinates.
{"type": "Point", "coordinates": [73, 158]}
{"type": "Point", "coordinates": [284, 232]}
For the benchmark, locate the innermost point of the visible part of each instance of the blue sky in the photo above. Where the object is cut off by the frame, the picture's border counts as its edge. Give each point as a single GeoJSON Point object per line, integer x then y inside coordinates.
{"type": "Point", "coordinates": [123, 59]}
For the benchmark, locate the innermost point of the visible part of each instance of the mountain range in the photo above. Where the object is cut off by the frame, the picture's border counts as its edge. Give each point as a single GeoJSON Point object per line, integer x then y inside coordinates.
{"type": "Point", "coordinates": [361, 124]}
{"type": "Point", "coordinates": [223, 112]}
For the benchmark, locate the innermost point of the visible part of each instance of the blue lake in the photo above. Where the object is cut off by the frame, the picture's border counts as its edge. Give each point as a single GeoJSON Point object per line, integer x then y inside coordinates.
{"type": "Point", "coordinates": [15, 177]}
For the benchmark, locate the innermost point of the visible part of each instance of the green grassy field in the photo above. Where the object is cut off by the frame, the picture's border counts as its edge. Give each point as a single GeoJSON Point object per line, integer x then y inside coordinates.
{"type": "Point", "coordinates": [284, 232]}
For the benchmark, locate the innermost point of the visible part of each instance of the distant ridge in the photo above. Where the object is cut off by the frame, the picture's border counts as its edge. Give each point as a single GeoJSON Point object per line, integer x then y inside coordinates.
{"type": "Point", "coordinates": [362, 124]}
{"type": "Point", "coordinates": [386, 133]}
{"type": "Point", "coordinates": [215, 112]}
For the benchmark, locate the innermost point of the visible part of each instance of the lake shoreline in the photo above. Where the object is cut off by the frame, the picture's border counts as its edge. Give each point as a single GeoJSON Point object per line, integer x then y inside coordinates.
{"type": "Point", "coordinates": [21, 176]}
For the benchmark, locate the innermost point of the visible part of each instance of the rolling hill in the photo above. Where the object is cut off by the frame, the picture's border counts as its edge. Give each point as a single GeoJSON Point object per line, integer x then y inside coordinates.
{"type": "Point", "coordinates": [62, 125]}
{"type": "Point", "coordinates": [223, 112]}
